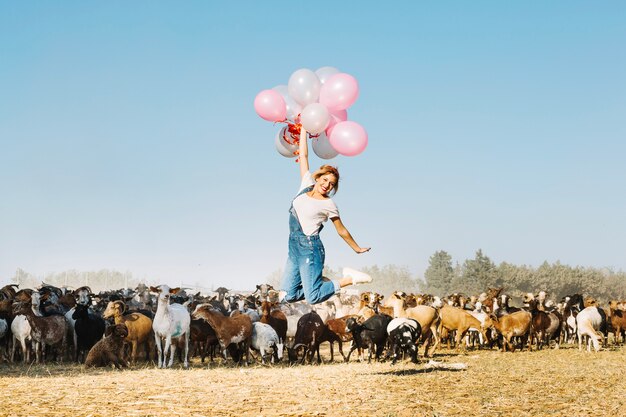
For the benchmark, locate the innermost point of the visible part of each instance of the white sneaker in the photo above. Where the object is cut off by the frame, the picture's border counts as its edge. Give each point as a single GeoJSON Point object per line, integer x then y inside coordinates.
{"type": "Point", "coordinates": [358, 277]}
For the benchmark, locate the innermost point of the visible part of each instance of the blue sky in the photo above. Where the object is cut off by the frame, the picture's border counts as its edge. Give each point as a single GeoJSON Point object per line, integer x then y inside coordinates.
{"type": "Point", "coordinates": [129, 141]}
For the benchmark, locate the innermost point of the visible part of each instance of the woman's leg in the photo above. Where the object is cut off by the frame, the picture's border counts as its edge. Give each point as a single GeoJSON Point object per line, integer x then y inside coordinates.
{"type": "Point", "coordinates": [316, 290]}
{"type": "Point", "coordinates": [292, 281]}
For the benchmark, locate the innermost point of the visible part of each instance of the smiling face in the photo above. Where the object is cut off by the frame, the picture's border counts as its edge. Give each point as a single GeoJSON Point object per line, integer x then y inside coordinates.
{"type": "Point", "coordinates": [325, 184]}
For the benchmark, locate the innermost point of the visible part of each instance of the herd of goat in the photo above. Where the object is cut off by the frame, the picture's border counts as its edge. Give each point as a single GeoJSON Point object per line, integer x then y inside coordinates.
{"type": "Point", "coordinates": [149, 323]}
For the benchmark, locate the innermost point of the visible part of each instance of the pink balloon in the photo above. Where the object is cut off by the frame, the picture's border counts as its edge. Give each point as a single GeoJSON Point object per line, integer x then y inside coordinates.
{"type": "Point", "coordinates": [348, 138]}
{"type": "Point", "coordinates": [335, 117]}
{"type": "Point", "coordinates": [270, 105]}
{"type": "Point", "coordinates": [339, 92]}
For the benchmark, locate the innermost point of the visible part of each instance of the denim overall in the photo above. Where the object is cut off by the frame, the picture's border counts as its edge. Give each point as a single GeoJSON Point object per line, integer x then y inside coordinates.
{"type": "Point", "coordinates": [302, 278]}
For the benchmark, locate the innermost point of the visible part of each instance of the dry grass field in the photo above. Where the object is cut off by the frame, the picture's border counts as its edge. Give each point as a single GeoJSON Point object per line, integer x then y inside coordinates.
{"type": "Point", "coordinates": [562, 382]}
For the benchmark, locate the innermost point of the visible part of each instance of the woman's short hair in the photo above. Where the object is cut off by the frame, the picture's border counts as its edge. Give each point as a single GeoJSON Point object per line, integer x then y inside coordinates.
{"type": "Point", "coordinates": [328, 169]}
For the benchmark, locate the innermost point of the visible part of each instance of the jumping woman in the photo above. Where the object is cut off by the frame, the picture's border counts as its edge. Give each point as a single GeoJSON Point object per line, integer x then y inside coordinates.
{"type": "Point", "coordinates": [311, 207]}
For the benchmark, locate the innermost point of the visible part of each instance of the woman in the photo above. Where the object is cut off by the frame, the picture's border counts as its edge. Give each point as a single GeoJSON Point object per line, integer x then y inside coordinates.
{"type": "Point", "coordinates": [312, 207]}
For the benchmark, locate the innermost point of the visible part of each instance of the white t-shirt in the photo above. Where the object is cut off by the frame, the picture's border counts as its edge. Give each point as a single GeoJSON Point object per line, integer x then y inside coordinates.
{"type": "Point", "coordinates": [311, 211]}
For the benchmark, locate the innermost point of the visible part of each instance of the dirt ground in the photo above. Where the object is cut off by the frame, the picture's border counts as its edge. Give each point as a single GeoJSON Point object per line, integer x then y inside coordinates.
{"type": "Point", "coordinates": [562, 382]}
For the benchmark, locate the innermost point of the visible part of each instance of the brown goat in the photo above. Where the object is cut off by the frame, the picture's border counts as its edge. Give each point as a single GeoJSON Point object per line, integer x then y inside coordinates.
{"type": "Point", "coordinates": [139, 326]}
{"type": "Point", "coordinates": [511, 325]}
{"type": "Point", "coordinates": [454, 318]}
{"type": "Point", "coordinates": [110, 349]}
{"type": "Point", "coordinates": [338, 328]}
{"type": "Point", "coordinates": [275, 318]}
{"type": "Point", "coordinates": [229, 330]}
{"type": "Point", "coordinates": [618, 321]}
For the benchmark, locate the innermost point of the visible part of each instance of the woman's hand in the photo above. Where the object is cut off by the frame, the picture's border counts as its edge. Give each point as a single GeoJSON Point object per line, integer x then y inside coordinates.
{"type": "Point", "coordinates": [362, 250]}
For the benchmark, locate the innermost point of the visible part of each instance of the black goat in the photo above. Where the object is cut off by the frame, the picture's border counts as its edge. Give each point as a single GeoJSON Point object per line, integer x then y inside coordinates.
{"type": "Point", "coordinates": [310, 332]}
{"type": "Point", "coordinates": [404, 335]}
{"type": "Point", "coordinates": [373, 332]}
{"type": "Point", "coordinates": [89, 329]}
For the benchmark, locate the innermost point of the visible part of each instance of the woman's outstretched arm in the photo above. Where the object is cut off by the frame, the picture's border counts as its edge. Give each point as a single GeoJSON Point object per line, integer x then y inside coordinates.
{"type": "Point", "coordinates": [303, 153]}
{"type": "Point", "coordinates": [345, 235]}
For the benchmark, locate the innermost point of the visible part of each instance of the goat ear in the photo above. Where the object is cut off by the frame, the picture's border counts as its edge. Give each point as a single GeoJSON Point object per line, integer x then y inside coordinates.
{"type": "Point", "coordinates": [174, 290]}
{"type": "Point", "coordinates": [155, 289]}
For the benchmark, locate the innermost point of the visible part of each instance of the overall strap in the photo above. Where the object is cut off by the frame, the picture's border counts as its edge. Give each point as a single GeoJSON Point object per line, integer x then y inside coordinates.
{"type": "Point", "coordinates": [306, 190]}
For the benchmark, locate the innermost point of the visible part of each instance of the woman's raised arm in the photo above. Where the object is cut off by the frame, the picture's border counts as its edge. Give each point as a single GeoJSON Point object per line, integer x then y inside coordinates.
{"type": "Point", "coordinates": [303, 153]}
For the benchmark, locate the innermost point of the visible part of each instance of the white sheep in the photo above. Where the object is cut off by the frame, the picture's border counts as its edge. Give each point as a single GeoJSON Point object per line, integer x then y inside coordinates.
{"type": "Point", "coordinates": [265, 340]}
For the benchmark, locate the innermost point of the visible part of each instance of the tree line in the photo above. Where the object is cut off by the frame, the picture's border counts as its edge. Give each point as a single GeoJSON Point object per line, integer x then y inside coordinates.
{"type": "Point", "coordinates": [442, 277]}
{"type": "Point", "coordinates": [474, 276]}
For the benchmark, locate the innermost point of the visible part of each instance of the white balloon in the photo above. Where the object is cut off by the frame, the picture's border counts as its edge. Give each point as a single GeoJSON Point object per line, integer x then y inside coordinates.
{"type": "Point", "coordinates": [315, 118]}
{"type": "Point", "coordinates": [304, 86]}
{"type": "Point", "coordinates": [322, 147]}
{"type": "Point", "coordinates": [283, 147]}
{"type": "Point", "coordinates": [293, 108]}
{"type": "Point", "coordinates": [325, 73]}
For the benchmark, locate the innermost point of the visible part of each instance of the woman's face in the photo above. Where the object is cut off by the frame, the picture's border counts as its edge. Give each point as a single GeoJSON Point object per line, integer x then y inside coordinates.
{"type": "Point", "coordinates": [325, 184]}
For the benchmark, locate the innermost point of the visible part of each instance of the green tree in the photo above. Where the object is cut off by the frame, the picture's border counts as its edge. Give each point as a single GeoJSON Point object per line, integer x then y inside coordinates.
{"type": "Point", "coordinates": [440, 274]}
{"type": "Point", "coordinates": [478, 274]}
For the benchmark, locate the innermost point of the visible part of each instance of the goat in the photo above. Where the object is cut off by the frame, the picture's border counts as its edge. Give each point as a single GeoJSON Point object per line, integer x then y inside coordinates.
{"type": "Point", "coordinates": [509, 326]}
{"type": "Point", "coordinates": [265, 340]}
{"type": "Point", "coordinates": [275, 318]}
{"type": "Point", "coordinates": [311, 332]}
{"type": "Point", "coordinates": [89, 329]}
{"type": "Point", "coordinates": [229, 330]}
{"type": "Point", "coordinates": [202, 338]}
{"type": "Point", "coordinates": [46, 331]}
{"type": "Point", "coordinates": [403, 335]}
{"type": "Point", "coordinates": [372, 333]}
{"type": "Point", "coordinates": [171, 323]}
{"type": "Point", "coordinates": [342, 335]}
{"type": "Point", "coordinates": [110, 349]}
{"type": "Point", "coordinates": [454, 318]}
{"type": "Point", "coordinates": [427, 316]}
{"type": "Point", "coordinates": [20, 329]}
{"type": "Point", "coordinates": [139, 326]}
{"type": "Point", "coordinates": [588, 323]}
{"type": "Point", "coordinates": [618, 321]}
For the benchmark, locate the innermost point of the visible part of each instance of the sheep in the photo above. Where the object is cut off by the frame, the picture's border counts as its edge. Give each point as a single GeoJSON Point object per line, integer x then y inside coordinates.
{"type": "Point", "coordinates": [110, 349]}
{"type": "Point", "coordinates": [265, 339]}
{"type": "Point", "coordinates": [171, 322]}
{"type": "Point", "coordinates": [139, 326]}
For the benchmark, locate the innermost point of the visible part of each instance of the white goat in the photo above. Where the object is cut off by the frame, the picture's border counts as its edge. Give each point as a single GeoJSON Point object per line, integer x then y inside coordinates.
{"type": "Point", "coordinates": [265, 339]}
{"type": "Point", "coordinates": [588, 323]}
{"type": "Point", "coordinates": [171, 322]}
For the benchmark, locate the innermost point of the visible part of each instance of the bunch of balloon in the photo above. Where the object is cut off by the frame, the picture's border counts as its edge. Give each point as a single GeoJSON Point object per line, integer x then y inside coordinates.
{"type": "Point", "coordinates": [314, 102]}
